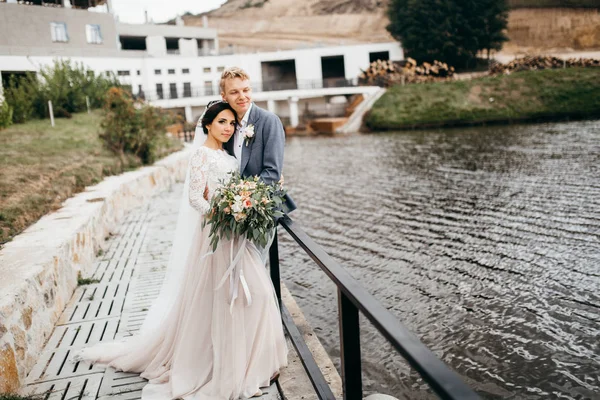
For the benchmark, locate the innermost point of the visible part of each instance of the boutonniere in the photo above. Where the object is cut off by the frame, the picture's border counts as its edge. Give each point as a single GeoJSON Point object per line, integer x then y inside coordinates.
{"type": "Point", "coordinates": [249, 134]}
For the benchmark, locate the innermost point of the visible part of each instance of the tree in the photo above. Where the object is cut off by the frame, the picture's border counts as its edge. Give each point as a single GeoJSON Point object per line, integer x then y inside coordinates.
{"type": "Point", "coordinates": [494, 17]}
{"type": "Point", "coordinates": [452, 31]}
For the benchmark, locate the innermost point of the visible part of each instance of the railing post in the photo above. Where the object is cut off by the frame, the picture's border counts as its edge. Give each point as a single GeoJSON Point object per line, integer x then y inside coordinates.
{"type": "Point", "coordinates": [350, 348]}
{"type": "Point", "coordinates": [274, 266]}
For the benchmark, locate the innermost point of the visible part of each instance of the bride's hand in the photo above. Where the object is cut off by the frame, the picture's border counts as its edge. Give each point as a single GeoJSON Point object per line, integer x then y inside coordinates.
{"type": "Point", "coordinates": [206, 193]}
{"type": "Point", "coordinates": [281, 181]}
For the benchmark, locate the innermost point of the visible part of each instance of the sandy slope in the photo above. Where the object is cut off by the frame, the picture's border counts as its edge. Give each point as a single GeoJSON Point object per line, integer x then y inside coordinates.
{"type": "Point", "coordinates": [250, 25]}
{"type": "Point", "coordinates": [288, 24]}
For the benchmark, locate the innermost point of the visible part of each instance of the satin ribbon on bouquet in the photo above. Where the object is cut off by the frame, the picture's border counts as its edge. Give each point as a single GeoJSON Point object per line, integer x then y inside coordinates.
{"type": "Point", "coordinates": [236, 276]}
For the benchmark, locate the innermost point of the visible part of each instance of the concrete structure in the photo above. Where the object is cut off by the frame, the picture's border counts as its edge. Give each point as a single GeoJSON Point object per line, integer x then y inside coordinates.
{"type": "Point", "coordinates": [29, 30]}
{"type": "Point", "coordinates": [177, 66]}
{"type": "Point", "coordinates": [169, 39]}
{"type": "Point", "coordinates": [284, 103]}
{"type": "Point", "coordinates": [356, 119]}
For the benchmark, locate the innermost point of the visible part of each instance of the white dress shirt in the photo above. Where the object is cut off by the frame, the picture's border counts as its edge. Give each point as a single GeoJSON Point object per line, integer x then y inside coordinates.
{"type": "Point", "coordinates": [239, 137]}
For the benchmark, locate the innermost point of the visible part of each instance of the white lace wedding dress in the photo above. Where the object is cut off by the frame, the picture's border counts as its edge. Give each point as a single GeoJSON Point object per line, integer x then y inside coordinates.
{"type": "Point", "coordinates": [222, 337]}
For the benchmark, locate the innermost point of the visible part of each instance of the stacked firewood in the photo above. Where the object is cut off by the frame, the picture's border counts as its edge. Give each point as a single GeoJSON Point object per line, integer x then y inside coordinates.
{"type": "Point", "coordinates": [541, 62]}
{"type": "Point", "coordinates": [378, 71]}
{"type": "Point", "coordinates": [436, 70]}
{"type": "Point", "coordinates": [387, 73]}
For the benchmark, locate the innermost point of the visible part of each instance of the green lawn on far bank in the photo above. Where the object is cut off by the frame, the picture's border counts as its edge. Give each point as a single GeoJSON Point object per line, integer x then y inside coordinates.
{"type": "Point", "coordinates": [41, 166]}
{"type": "Point", "coordinates": [521, 96]}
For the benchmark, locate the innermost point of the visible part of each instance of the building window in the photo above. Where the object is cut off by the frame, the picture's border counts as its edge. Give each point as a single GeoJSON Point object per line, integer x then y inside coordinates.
{"type": "Point", "coordinates": [172, 90]}
{"type": "Point", "coordinates": [207, 70]}
{"type": "Point", "coordinates": [58, 30]}
{"type": "Point", "coordinates": [157, 72]}
{"type": "Point", "coordinates": [159, 91]}
{"type": "Point", "coordinates": [208, 88]}
{"type": "Point", "coordinates": [187, 89]}
{"type": "Point", "coordinates": [220, 69]}
{"type": "Point", "coordinates": [139, 72]}
{"type": "Point", "coordinates": [93, 34]}
{"type": "Point", "coordinates": [379, 55]}
{"type": "Point", "coordinates": [123, 73]}
{"type": "Point", "coordinates": [171, 72]}
{"type": "Point", "coordinates": [185, 71]}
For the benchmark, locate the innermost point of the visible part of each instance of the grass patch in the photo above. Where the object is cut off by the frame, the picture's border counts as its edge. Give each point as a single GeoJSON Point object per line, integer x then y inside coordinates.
{"type": "Point", "coordinates": [570, 93]}
{"type": "Point", "coordinates": [85, 281]}
{"type": "Point", "coordinates": [41, 166]}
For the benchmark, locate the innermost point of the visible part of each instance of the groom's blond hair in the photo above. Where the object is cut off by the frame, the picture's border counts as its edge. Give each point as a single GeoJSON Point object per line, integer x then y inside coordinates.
{"type": "Point", "coordinates": [232, 73]}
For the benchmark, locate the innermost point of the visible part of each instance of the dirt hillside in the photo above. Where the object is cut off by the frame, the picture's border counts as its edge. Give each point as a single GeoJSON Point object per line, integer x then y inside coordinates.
{"type": "Point", "coordinates": [251, 25]}
{"type": "Point", "coordinates": [288, 24]}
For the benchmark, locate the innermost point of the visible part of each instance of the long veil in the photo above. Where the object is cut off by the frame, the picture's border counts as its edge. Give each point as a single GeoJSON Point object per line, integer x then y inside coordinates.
{"type": "Point", "coordinates": [127, 348]}
{"type": "Point", "coordinates": [187, 222]}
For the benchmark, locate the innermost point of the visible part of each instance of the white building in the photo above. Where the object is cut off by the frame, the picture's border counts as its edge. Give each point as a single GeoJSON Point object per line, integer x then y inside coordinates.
{"type": "Point", "coordinates": [176, 66]}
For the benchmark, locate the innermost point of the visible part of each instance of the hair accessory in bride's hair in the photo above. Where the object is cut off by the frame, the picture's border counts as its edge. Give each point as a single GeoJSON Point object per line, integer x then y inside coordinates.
{"type": "Point", "coordinates": [209, 105]}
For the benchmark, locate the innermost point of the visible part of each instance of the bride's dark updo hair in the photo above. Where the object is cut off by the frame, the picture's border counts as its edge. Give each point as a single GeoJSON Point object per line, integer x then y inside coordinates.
{"type": "Point", "coordinates": [212, 110]}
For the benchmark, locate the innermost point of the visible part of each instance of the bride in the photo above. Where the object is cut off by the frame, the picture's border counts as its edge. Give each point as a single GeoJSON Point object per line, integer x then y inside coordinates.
{"type": "Point", "coordinates": [202, 340]}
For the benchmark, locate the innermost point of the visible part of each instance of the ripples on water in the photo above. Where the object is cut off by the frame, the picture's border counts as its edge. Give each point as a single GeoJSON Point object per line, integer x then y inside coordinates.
{"type": "Point", "coordinates": [484, 242]}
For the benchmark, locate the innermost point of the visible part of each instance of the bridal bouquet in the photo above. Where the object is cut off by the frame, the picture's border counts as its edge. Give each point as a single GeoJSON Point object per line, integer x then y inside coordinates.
{"type": "Point", "coordinates": [244, 207]}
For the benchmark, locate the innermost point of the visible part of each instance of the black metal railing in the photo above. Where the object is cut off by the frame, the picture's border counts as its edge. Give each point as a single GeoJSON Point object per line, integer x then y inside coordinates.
{"type": "Point", "coordinates": [352, 298]}
{"type": "Point", "coordinates": [257, 87]}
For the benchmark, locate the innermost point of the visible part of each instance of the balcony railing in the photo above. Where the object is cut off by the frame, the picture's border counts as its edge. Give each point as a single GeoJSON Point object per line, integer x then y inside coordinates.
{"type": "Point", "coordinates": [352, 299]}
{"type": "Point", "coordinates": [258, 87]}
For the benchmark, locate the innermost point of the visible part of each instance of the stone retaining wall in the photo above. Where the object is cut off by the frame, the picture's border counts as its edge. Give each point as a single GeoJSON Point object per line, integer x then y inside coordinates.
{"type": "Point", "coordinates": [39, 268]}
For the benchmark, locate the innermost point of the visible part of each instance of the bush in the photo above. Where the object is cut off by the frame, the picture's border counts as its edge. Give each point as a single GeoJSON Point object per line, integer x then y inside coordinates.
{"type": "Point", "coordinates": [64, 83]}
{"type": "Point", "coordinates": [189, 126]}
{"type": "Point", "coordinates": [21, 94]}
{"type": "Point", "coordinates": [130, 127]}
{"type": "Point", "coordinates": [6, 113]}
{"type": "Point", "coordinates": [65, 86]}
{"type": "Point", "coordinates": [152, 133]}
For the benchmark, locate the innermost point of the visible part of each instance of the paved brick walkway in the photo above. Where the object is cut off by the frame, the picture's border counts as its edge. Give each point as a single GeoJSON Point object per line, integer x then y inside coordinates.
{"type": "Point", "coordinates": [130, 273]}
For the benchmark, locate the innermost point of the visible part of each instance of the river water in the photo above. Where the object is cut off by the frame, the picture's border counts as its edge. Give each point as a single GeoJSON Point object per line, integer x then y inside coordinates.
{"type": "Point", "coordinates": [484, 242]}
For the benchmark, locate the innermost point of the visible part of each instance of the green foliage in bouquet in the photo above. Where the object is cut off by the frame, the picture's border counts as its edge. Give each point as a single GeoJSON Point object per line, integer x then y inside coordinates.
{"type": "Point", "coordinates": [244, 207]}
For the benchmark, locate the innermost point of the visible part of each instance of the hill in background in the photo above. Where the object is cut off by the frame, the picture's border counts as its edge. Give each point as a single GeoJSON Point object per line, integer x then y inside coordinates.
{"type": "Point", "coordinates": [266, 25]}
{"type": "Point", "coordinates": [288, 24]}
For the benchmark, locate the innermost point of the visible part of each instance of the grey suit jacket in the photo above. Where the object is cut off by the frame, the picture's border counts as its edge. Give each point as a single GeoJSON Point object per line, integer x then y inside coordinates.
{"type": "Point", "coordinates": [264, 154]}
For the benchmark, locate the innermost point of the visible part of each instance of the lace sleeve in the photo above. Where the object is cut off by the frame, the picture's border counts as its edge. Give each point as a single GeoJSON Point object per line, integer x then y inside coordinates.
{"type": "Point", "coordinates": [198, 181]}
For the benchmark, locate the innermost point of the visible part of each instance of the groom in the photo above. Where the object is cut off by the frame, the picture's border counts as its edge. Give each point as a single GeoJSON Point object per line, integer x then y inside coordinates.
{"type": "Point", "coordinates": [259, 138]}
